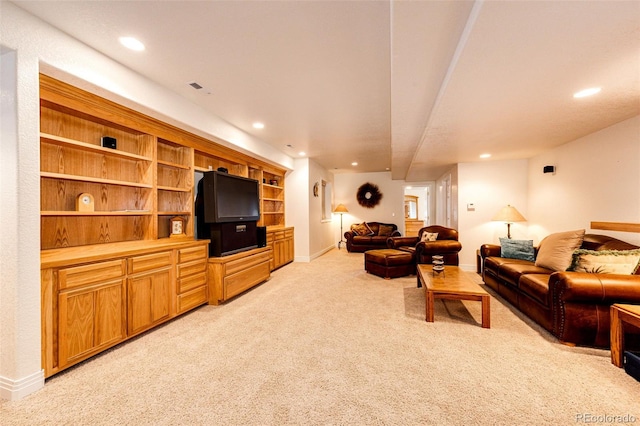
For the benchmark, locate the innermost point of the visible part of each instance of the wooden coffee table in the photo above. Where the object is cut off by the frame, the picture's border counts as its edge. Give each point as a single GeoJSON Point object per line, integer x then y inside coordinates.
{"type": "Point", "coordinates": [620, 315]}
{"type": "Point", "coordinates": [454, 284]}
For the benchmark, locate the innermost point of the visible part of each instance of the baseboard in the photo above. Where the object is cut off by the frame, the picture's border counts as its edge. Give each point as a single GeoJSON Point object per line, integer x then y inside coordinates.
{"type": "Point", "coordinates": [468, 267]}
{"type": "Point", "coordinates": [307, 259]}
{"type": "Point", "coordinates": [14, 390]}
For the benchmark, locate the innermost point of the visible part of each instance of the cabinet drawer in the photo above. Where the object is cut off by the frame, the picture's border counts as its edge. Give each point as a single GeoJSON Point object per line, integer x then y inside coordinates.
{"type": "Point", "coordinates": [239, 265]}
{"type": "Point", "coordinates": [149, 262]}
{"type": "Point", "coordinates": [247, 278]}
{"type": "Point", "coordinates": [192, 299]}
{"type": "Point", "coordinates": [192, 253]}
{"type": "Point", "coordinates": [96, 272]}
{"type": "Point", "coordinates": [186, 269]}
{"type": "Point", "coordinates": [189, 283]}
{"type": "Point", "coordinates": [288, 233]}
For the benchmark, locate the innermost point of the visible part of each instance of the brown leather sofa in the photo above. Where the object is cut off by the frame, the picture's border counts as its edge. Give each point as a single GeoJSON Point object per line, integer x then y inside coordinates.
{"type": "Point", "coordinates": [446, 244]}
{"type": "Point", "coordinates": [573, 306]}
{"type": "Point", "coordinates": [370, 240]}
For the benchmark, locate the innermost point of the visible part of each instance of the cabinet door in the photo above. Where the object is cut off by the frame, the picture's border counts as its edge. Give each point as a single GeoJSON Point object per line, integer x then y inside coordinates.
{"type": "Point", "coordinates": [149, 300]}
{"type": "Point", "coordinates": [89, 319]}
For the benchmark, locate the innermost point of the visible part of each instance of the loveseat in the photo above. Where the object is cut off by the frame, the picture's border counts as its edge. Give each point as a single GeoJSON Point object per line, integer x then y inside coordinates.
{"type": "Point", "coordinates": [445, 243]}
{"type": "Point", "coordinates": [572, 304]}
{"type": "Point", "coordinates": [369, 236]}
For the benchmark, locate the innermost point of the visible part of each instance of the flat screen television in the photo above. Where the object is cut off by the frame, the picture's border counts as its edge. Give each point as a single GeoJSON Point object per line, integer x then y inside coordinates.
{"type": "Point", "coordinates": [230, 198]}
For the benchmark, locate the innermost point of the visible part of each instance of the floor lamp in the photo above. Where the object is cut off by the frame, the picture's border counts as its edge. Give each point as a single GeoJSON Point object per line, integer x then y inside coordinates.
{"type": "Point", "coordinates": [341, 209]}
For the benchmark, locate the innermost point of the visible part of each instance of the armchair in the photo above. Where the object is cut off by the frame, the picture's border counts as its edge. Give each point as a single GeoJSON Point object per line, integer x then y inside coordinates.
{"type": "Point", "coordinates": [446, 244]}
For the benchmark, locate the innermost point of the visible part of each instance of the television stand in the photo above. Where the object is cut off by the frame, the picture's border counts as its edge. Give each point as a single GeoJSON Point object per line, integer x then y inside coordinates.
{"type": "Point", "coordinates": [228, 276]}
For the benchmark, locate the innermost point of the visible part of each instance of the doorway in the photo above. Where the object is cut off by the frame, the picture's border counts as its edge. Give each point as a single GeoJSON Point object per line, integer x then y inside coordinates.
{"type": "Point", "coordinates": [418, 207]}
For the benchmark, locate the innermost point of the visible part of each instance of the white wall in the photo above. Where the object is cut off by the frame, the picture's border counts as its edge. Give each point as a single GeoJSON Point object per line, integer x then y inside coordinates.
{"type": "Point", "coordinates": [597, 179]}
{"type": "Point", "coordinates": [390, 209]}
{"type": "Point", "coordinates": [489, 186]}
{"type": "Point", "coordinates": [20, 367]}
{"type": "Point", "coordinates": [313, 236]}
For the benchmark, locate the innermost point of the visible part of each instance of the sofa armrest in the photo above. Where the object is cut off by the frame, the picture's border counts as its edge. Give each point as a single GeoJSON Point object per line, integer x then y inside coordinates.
{"type": "Point", "coordinates": [348, 235]}
{"type": "Point", "coordinates": [490, 250]}
{"type": "Point", "coordinates": [594, 288]}
{"type": "Point", "coordinates": [438, 247]}
{"type": "Point", "coordinates": [395, 242]}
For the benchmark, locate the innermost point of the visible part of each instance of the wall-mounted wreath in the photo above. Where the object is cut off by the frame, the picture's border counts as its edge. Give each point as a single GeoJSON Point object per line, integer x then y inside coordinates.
{"type": "Point", "coordinates": [368, 195]}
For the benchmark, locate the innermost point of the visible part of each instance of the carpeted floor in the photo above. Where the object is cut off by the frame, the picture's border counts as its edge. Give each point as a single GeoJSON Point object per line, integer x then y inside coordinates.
{"type": "Point", "coordinates": [325, 343]}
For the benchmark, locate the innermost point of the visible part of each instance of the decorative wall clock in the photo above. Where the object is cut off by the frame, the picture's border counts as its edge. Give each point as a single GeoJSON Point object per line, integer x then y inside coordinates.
{"type": "Point", "coordinates": [368, 195]}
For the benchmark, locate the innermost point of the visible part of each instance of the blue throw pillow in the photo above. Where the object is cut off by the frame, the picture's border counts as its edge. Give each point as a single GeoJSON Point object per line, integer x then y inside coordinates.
{"type": "Point", "coordinates": [517, 249]}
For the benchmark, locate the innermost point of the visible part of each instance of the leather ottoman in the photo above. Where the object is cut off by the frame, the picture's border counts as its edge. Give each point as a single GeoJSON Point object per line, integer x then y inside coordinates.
{"type": "Point", "coordinates": [389, 263]}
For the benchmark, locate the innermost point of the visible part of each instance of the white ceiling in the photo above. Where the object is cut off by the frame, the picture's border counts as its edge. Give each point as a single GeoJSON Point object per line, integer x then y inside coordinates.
{"type": "Point", "coordinates": [413, 86]}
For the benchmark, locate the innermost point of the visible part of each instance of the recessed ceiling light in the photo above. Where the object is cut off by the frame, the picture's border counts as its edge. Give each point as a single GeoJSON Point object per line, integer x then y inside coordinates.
{"type": "Point", "coordinates": [587, 92]}
{"type": "Point", "coordinates": [485, 155]}
{"type": "Point", "coordinates": [258, 125]}
{"type": "Point", "coordinates": [355, 163]}
{"type": "Point", "coordinates": [132, 43]}
{"type": "Point", "coordinates": [302, 153]}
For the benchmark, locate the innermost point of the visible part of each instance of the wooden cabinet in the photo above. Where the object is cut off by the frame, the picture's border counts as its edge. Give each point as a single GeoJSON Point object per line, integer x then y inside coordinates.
{"type": "Point", "coordinates": [90, 309]}
{"type": "Point", "coordinates": [281, 242]}
{"type": "Point", "coordinates": [108, 269]}
{"type": "Point", "coordinates": [94, 297]}
{"type": "Point", "coordinates": [148, 291]}
{"type": "Point", "coordinates": [412, 227]}
{"type": "Point", "coordinates": [229, 276]}
{"type": "Point", "coordinates": [192, 277]}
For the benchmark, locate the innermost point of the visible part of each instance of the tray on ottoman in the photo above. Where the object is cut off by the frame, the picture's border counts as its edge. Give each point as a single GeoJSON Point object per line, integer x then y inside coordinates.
{"type": "Point", "coordinates": [389, 263]}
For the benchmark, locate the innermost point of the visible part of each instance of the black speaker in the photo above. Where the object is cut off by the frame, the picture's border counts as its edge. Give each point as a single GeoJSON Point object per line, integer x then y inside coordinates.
{"type": "Point", "coordinates": [232, 237]}
{"type": "Point", "coordinates": [262, 236]}
{"type": "Point", "coordinates": [549, 169]}
{"type": "Point", "coordinates": [109, 142]}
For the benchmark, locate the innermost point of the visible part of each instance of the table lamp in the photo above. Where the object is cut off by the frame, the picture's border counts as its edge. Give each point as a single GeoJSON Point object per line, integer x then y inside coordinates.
{"type": "Point", "coordinates": [509, 214]}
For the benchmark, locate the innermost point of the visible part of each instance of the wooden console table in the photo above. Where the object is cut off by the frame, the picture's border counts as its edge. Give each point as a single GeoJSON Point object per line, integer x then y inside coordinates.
{"type": "Point", "coordinates": [621, 314]}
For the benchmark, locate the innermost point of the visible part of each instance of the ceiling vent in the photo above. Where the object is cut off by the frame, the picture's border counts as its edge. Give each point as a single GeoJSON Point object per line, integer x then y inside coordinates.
{"type": "Point", "coordinates": [195, 85]}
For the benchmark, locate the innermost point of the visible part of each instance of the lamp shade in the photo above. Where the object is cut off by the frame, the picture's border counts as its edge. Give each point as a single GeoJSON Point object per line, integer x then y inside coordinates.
{"type": "Point", "coordinates": [340, 208]}
{"type": "Point", "coordinates": [509, 214]}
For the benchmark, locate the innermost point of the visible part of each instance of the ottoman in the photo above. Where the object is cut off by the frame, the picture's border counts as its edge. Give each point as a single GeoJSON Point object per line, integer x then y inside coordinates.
{"type": "Point", "coordinates": [389, 263]}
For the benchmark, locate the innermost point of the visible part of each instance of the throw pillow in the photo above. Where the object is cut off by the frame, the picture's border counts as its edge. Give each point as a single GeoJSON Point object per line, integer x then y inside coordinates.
{"type": "Point", "coordinates": [385, 230]}
{"type": "Point", "coordinates": [429, 236]}
{"type": "Point", "coordinates": [517, 249]}
{"type": "Point", "coordinates": [362, 229]}
{"type": "Point", "coordinates": [624, 262]}
{"type": "Point", "coordinates": [556, 250]}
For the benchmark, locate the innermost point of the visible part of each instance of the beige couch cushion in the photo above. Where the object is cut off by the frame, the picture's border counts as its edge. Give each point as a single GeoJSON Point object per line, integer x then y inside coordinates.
{"type": "Point", "coordinates": [556, 250]}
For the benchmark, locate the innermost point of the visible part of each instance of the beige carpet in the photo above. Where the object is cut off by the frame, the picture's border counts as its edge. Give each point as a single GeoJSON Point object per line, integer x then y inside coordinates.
{"type": "Point", "coordinates": [327, 343]}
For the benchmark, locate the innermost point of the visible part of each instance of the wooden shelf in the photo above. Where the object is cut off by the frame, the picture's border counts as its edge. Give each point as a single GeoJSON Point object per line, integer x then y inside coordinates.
{"type": "Point", "coordinates": [174, 165]}
{"type": "Point", "coordinates": [97, 213]}
{"type": "Point", "coordinates": [174, 189]}
{"type": "Point", "coordinates": [272, 186]}
{"type": "Point", "coordinates": [58, 140]}
{"type": "Point", "coordinates": [174, 213]}
{"type": "Point", "coordinates": [94, 180]}
{"type": "Point", "coordinates": [273, 199]}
